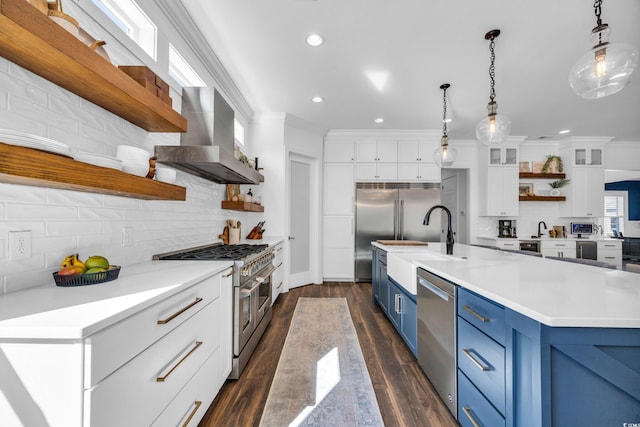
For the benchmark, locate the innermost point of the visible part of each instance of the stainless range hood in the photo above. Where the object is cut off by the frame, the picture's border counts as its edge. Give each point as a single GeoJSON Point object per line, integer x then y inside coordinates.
{"type": "Point", "coordinates": [206, 149]}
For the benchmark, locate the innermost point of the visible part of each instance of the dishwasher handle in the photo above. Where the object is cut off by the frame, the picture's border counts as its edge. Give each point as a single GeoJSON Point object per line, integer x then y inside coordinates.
{"type": "Point", "coordinates": [435, 289]}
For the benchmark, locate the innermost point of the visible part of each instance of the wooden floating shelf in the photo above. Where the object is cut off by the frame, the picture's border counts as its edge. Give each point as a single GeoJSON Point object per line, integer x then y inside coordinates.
{"type": "Point", "coordinates": [531, 175]}
{"type": "Point", "coordinates": [32, 40]}
{"type": "Point", "coordinates": [28, 166]}
{"type": "Point", "coordinates": [242, 206]}
{"type": "Point", "coordinates": [542, 198]}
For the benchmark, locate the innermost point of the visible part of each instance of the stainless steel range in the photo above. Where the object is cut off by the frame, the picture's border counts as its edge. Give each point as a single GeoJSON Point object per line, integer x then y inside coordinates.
{"type": "Point", "coordinates": [251, 292]}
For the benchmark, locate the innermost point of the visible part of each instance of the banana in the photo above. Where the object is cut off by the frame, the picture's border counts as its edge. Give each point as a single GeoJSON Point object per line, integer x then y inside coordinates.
{"type": "Point", "coordinates": [72, 261]}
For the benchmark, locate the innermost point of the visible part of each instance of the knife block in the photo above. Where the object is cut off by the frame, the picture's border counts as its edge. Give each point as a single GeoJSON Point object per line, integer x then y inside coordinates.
{"type": "Point", "coordinates": [234, 236]}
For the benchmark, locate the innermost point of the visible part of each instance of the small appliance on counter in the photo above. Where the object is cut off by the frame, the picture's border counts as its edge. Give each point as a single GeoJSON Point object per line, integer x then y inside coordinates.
{"type": "Point", "coordinates": [507, 228]}
{"type": "Point", "coordinates": [580, 228]}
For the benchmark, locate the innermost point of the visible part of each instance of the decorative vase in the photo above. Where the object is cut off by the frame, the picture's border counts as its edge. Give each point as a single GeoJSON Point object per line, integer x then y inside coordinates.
{"type": "Point", "coordinates": [554, 192]}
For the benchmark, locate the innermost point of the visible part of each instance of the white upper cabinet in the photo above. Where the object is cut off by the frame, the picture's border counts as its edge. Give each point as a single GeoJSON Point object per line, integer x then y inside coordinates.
{"type": "Point", "coordinates": [498, 172]}
{"type": "Point", "coordinates": [416, 151]}
{"type": "Point", "coordinates": [339, 152]}
{"type": "Point", "coordinates": [419, 172]}
{"type": "Point", "coordinates": [376, 151]}
{"type": "Point", "coordinates": [584, 166]}
{"type": "Point", "coordinates": [376, 171]}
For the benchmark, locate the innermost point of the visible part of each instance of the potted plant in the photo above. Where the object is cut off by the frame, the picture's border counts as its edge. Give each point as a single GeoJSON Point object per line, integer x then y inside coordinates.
{"type": "Point", "coordinates": [556, 185]}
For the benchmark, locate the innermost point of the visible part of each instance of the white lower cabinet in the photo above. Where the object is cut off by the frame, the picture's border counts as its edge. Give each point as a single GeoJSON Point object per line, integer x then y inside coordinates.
{"type": "Point", "coordinates": [151, 367]}
{"type": "Point", "coordinates": [558, 248]}
{"type": "Point", "coordinates": [277, 277]}
{"type": "Point", "coordinates": [338, 248]}
{"type": "Point", "coordinates": [610, 251]}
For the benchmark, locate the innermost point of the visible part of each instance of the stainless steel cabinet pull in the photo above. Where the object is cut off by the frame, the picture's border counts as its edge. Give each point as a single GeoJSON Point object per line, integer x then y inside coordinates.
{"type": "Point", "coordinates": [163, 378]}
{"type": "Point", "coordinates": [179, 312]}
{"type": "Point", "coordinates": [197, 404]}
{"type": "Point", "coordinates": [396, 303]}
{"type": "Point", "coordinates": [467, 412]}
{"type": "Point", "coordinates": [475, 361]}
{"type": "Point", "coordinates": [477, 315]}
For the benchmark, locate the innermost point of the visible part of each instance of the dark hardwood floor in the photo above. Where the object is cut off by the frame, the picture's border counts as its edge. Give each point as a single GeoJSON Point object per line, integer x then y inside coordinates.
{"type": "Point", "coordinates": [405, 396]}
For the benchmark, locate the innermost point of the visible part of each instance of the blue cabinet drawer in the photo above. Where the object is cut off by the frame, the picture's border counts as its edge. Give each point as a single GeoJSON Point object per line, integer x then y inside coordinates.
{"type": "Point", "coordinates": [473, 408]}
{"type": "Point", "coordinates": [483, 314]}
{"type": "Point", "coordinates": [483, 362]}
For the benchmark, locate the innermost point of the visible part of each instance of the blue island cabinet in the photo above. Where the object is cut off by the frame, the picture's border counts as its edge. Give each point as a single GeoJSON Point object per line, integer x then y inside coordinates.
{"type": "Point", "coordinates": [399, 305]}
{"type": "Point", "coordinates": [515, 371]}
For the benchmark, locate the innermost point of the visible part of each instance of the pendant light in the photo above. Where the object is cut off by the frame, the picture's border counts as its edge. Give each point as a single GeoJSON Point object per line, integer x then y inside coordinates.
{"type": "Point", "coordinates": [495, 128]}
{"type": "Point", "coordinates": [444, 155]}
{"type": "Point", "coordinates": [606, 68]}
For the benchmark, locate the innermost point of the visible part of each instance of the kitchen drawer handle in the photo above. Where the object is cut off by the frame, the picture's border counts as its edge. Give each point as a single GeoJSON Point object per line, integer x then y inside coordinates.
{"type": "Point", "coordinates": [197, 404]}
{"type": "Point", "coordinates": [230, 274]}
{"type": "Point", "coordinates": [163, 378]}
{"type": "Point", "coordinates": [467, 412]}
{"type": "Point", "coordinates": [178, 313]}
{"type": "Point", "coordinates": [477, 315]}
{"type": "Point", "coordinates": [610, 257]}
{"type": "Point", "coordinates": [279, 265]}
{"type": "Point", "coordinates": [482, 367]}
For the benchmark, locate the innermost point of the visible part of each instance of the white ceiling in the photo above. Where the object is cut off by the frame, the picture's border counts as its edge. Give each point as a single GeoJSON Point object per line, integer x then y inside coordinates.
{"type": "Point", "coordinates": [418, 45]}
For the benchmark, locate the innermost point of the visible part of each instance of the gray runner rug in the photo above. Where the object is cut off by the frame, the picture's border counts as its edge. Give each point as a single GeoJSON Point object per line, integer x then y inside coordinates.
{"type": "Point", "coordinates": [321, 379]}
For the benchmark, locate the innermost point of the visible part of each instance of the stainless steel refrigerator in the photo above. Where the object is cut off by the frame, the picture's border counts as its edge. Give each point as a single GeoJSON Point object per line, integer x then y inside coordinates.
{"type": "Point", "coordinates": [392, 211]}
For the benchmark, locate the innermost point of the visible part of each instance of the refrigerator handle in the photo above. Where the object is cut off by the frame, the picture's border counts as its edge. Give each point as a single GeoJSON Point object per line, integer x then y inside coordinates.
{"type": "Point", "coordinates": [395, 219]}
{"type": "Point", "coordinates": [401, 220]}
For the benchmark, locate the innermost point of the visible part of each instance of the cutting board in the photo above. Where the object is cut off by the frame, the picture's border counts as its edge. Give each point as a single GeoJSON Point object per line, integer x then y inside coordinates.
{"type": "Point", "coordinates": [402, 242]}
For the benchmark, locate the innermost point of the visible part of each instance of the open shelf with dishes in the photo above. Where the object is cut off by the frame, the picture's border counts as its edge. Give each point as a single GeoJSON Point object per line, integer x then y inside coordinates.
{"type": "Point", "coordinates": [33, 41]}
{"type": "Point", "coordinates": [242, 206]}
{"type": "Point", "coordinates": [28, 166]}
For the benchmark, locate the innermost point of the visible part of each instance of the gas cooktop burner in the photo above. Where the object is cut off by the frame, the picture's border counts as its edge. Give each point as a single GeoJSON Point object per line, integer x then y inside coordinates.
{"type": "Point", "coordinates": [216, 253]}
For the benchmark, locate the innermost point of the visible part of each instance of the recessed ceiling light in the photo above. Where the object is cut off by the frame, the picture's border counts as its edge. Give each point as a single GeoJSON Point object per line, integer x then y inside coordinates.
{"type": "Point", "coordinates": [317, 99]}
{"type": "Point", "coordinates": [563, 131]}
{"type": "Point", "coordinates": [314, 40]}
{"type": "Point", "coordinates": [379, 120]}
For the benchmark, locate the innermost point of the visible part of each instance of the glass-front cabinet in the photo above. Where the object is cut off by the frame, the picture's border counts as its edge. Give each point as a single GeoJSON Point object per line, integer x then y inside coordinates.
{"type": "Point", "coordinates": [503, 156]}
{"type": "Point", "coordinates": [587, 157]}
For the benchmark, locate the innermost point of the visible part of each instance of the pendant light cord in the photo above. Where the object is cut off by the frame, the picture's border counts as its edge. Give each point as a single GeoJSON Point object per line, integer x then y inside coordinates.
{"type": "Point", "coordinates": [492, 69]}
{"type": "Point", "coordinates": [444, 111]}
{"type": "Point", "coordinates": [597, 6]}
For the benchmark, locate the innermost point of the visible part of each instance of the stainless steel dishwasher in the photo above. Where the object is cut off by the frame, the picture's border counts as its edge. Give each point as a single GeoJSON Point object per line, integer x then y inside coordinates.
{"type": "Point", "coordinates": [437, 335]}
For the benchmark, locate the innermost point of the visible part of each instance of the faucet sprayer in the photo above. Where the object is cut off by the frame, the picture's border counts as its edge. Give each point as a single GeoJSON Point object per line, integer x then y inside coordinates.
{"type": "Point", "coordinates": [449, 230]}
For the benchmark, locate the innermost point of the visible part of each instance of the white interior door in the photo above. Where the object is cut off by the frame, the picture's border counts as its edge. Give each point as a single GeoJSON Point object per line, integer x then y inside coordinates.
{"type": "Point", "coordinates": [453, 196]}
{"type": "Point", "coordinates": [300, 222]}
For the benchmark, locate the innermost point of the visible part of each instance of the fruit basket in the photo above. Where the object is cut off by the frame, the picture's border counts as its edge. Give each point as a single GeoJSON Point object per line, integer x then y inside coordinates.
{"type": "Point", "coordinates": [87, 279]}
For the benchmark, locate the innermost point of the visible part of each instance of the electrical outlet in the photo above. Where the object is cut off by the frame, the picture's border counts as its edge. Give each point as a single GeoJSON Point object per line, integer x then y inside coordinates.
{"type": "Point", "coordinates": [19, 245]}
{"type": "Point", "coordinates": [127, 236]}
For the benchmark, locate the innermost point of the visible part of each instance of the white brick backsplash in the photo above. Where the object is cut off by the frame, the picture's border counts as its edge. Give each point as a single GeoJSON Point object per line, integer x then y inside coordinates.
{"type": "Point", "coordinates": [78, 228]}
{"type": "Point", "coordinates": [74, 198]}
{"type": "Point", "coordinates": [26, 108]}
{"type": "Point", "coordinates": [17, 211]}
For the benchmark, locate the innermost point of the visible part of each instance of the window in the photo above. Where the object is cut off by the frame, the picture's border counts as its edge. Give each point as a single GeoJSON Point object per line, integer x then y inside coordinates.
{"type": "Point", "coordinates": [181, 71]}
{"type": "Point", "coordinates": [238, 131]}
{"type": "Point", "coordinates": [614, 211]}
{"type": "Point", "coordinates": [130, 18]}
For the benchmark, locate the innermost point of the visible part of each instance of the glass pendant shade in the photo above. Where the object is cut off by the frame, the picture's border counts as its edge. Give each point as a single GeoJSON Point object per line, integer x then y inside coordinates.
{"type": "Point", "coordinates": [445, 155]}
{"type": "Point", "coordinates": [605, 69]}
{"type": "Point", "coordinates": [493, 129]}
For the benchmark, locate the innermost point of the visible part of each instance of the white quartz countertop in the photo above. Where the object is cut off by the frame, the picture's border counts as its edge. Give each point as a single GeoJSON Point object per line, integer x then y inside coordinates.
{"type": "Point", "coordinates": [54, 312]}
{"type": "Point", "coordinates": [555, 293]}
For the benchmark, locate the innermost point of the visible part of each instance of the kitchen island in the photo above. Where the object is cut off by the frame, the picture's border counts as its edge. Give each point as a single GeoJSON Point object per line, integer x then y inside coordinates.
{"type": "Point", "coordinates": [551, 337]}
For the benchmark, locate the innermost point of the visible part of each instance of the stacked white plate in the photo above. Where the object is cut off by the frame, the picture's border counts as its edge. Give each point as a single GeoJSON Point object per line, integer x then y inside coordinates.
{"type": "Point", "coordinates": [134, 160]}
{"type": "Point", "coordinates": [28, 140]}
{"type": "Point", "coordinates": [99, 160]}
